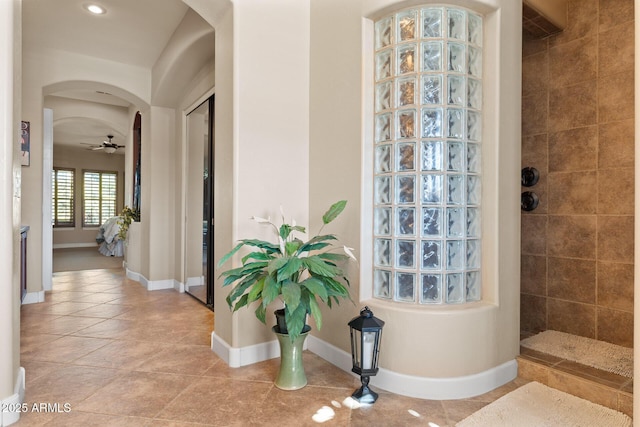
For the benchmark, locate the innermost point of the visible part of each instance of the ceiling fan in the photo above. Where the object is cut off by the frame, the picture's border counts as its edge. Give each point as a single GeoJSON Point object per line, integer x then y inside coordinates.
{"type": "Point", "coordinates": [108, 146]}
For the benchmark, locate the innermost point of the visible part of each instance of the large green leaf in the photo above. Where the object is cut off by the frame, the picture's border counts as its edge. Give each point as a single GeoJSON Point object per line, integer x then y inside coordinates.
{"type": "Point", "coordinates": [261, 313]}
{"type": "Point", "coordinates": [262, 244]}
{"type": "Point", "coordinates": [318, 266]}
{"type": "Point", "coordinates": [256, 290]}
{"type": "Point", "coordinates": [329, 256]}
{"type": "Point", "coordinates": [311, 244]}
{"type": "Point", "coordinates": [291, 294]}
{"type": "Point", "coordinates": [230, 254]}
{"type": "Point", "coordinates": [292, 247]}
{"type": "Point", "coordinates": [334, 288]}
{"type": "Point", "coordinates": [315, 287]}
{"type": "Point", "coordinates": [315, 312]}
{"type": "Point", "coordinates": [270, 291]}
{"type": "Point", "coordinates": [240, 272]}
{"type": "Point", "coordinates": [241, 302]}
{"type": "Point", "coordinates": [295, 320]}
{"type": "Point", "coordinates": [260, 256]}
{"type": "Point", "coordinates": [334, 211]}
{"type": "Point", "coordinates": [289, 268]}
{"type": "Point", "coordinates": [286, 229]}
{"type": "Point", "coordinates": [243, 285]}
{"type": "Point", "coordinates": [276, 264]}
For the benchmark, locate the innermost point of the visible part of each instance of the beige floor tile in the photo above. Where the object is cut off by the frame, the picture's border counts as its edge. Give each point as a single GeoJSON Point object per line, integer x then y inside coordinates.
{"type": "Point", "coordinates": [182, 359]}
{"type": "Point", "coordinates": [141, 394]}
{"type": "Point", "coordinates": [124, 356]}
{"type": "Point", "coordinates": [69, 384]}
{"type": "Point", "coordinates": [121, 354]}
{"type": "Point", "coordinates": [218, 401]}
{"type": "Point", "coordinates": [104, 311]}
{"type": "Point", "coordinates": [65, 349]}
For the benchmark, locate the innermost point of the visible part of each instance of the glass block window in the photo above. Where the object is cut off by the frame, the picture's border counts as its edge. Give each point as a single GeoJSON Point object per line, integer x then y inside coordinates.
{"type": "Point", "coordinates": [426, 166]}
{"type": "Point", "coordinates": [98, 197]}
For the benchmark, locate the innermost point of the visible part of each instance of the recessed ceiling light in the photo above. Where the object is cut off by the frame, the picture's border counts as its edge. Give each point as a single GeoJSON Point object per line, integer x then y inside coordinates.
{"type": "Point", "coordinates": [95, 9]}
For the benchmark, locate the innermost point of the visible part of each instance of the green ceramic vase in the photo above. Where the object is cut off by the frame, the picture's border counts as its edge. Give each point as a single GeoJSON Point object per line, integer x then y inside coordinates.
{"type": "Point", "coordinates": [291, 375]}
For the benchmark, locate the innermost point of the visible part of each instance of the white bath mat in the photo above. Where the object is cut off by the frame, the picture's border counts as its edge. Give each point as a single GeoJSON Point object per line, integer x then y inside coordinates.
{"type": "Point", "coordinates": [536, 405]}
{"type": "Point", "coordinates": [597, 354]}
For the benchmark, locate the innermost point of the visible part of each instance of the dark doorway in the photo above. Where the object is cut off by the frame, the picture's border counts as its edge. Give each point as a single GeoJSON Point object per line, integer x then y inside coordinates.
{"type": "Point", "coordinates": [199, 199]}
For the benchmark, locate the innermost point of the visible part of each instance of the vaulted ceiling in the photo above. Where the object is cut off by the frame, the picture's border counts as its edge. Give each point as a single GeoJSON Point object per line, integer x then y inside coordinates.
{"type": "Point", "coordinates": [133, 32]}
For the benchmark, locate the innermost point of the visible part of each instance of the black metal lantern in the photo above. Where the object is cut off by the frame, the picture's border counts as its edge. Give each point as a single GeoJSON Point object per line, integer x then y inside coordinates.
{"type": "Point", "coordinates": [366, 331]}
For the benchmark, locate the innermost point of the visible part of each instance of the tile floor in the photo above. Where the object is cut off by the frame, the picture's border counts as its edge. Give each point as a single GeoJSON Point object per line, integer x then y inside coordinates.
{"type": "Point", "coordinates": [119, 355]}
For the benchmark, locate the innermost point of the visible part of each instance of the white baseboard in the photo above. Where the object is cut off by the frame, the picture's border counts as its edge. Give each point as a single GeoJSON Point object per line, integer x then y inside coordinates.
{"type": "Point", "coordinates": [407, 385]}
{"type": "Point", "coordinates": [13, 401]}
{"type": "Point", "coordinates": [236, 357]}
{"type": "Point", "coordinates": [154, 285]}
{"type": "Point", "coordinates": [33, 297]}
{"type": "Point", "coordinates": [74, 245]}
{"type": "Point", "coordinates": [422, 387]}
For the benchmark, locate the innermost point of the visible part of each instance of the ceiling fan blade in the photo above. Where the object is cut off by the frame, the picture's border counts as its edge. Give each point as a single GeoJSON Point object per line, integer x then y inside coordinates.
{"type": "Point", "coordinates": [97, 148]}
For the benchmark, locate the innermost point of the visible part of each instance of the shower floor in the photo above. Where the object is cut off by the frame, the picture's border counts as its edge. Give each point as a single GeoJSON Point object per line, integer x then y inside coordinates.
{"type": "Point", "coordinates": [598, 386]}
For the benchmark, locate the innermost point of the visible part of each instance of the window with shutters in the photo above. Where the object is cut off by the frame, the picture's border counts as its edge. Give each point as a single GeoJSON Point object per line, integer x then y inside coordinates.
{"type": "Point", "coordinates": [99, 195]}
{"type": "Point", "coordinates": [62, 183]}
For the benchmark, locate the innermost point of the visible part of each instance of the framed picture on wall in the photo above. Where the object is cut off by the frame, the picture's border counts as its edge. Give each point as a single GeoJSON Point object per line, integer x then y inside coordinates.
{"type": "Point", "coordinates": [25, 144]}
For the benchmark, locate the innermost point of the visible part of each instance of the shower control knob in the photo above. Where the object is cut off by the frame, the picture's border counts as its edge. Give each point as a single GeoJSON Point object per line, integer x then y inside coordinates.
{"type": "Point", "coordinates": [529, 201]}
{"type": "Point", "coordinates": [530, 177]}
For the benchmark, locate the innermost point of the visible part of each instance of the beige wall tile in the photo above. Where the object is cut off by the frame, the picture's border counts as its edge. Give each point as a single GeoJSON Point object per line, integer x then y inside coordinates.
{"type": "Point", "coordinates": [572, 279]}
{"type": "Point", "coordinates": [616, 144]}
{"type": "Point", "coordinates": [625, 403]}
{"type": "Point", "coordinates": [534, 275]}
{"type": "Point", "coordinates": [531, 46]}
{"type": "Point", "coordinates": [535, 152]}
{"type": "Point", "coordinates": [535, 73]}
{"type": "Point", "coordinates": [573, 149]}
{"type": "Point", "coordinates": [583, 21]}
{"type": "Point", "coordinates": [616, 191]}
{"type": "Point", "coordinates": [572, 236]}
{"type": "Point", "coordinates": [532, 371]}
{"type": "Point", "coordinates": [616, 49]}
{"type": "Point", "coordinates": [573, 106]}
{"type": "Point", "coordinates": [534, 113]}
{"type": "Point", "coordinates": [615, 326]}
{"type": "Point", "coordinates": [533, 313]}
{"type": "Point", "coordinates": [578, 131]}
{"type": "Point", "coordinates": [571, 317]}
{"type": "Point", "coordinates": [615, 238]}
{"type": "Point", "coordinates": [572, 193]}
{"type": "Point", "coordinates": [585, 389]}
{"type": "Point", "coordinates": [614, 12]}
{"type": "Point", "coordinates": [615, 285]}
{"type": "Point", "coordinates": [573, 62]}
{"type": "Point", "coordinates": [615, 97]}
{"type": "Point", "coordinates": [534, 239]}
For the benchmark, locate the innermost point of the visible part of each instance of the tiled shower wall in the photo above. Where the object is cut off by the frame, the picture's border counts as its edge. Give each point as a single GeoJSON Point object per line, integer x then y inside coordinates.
{"type": "Point", "coordinates": [578, 131]}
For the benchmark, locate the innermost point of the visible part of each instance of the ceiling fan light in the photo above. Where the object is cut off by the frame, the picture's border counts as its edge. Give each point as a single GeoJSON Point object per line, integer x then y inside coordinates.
{"type": "Point", "coordinates": [109, 150]}
{"type": "Point", "coordinates": [95, 9]}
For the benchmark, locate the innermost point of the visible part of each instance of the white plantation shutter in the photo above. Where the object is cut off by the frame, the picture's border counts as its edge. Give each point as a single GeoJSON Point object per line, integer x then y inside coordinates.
{"type": "Point", "coordinates": [99, 197]}
{"type": "Point", "coordinates": [63, 201]}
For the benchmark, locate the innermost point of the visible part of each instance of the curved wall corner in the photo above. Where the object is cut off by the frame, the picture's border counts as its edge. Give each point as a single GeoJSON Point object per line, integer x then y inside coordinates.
{"type": "Point", "coordinates": [190, 49]}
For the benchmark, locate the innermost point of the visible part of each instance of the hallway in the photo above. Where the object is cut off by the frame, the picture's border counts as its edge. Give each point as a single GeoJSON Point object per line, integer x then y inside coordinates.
{"type": "Point", "coordinates": [120, 355]}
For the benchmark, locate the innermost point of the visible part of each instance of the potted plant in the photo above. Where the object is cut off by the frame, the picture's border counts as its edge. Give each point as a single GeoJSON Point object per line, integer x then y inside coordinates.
{"type": "Point", "coordinates": [301, 274]}
{"type": "Point", "coordinates": [126, 217]}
